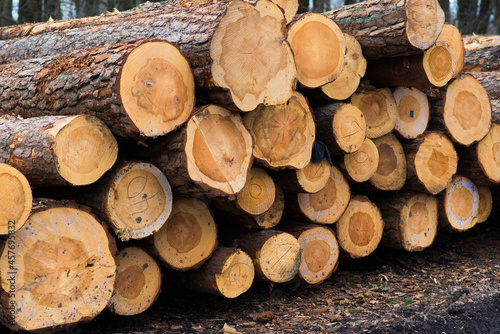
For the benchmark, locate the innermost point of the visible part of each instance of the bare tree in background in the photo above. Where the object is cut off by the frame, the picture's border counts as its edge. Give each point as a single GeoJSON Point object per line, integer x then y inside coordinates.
{"type": "Point", "coordinates": [30, 11]}
{"type": "Point", "coordinates": [445, 4]}
{"type": "Point", "coordinates": [52, 9]}
{"type": "Point", "coordinates": [6, 13]}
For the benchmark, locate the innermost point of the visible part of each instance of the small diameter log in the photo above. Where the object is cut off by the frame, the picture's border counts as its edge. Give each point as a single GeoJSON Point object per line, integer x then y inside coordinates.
{"type": "Point", "coordinates": [458, 205]}
{"type": "Point", "coordinates": [352, 72]}
{"type": "Point", "coordinates": [431, 162]}
{"type": "Point", "coordinates": [189, 236]}
{"type": "Point", "coordinates": [63, 272]}
{"type": "Point", "coordinates": [319, 249]}
{"type": "Point", "coordinates": [380, 111]}
{"type": "Point", "coordinates": [341, 126]}
{"type": "Point", "coordinates": [138, 282]}
{"type": "Point", "coordinates": [388, 28]}
{"type": "Point", "coordinates": [452, 36]}
{"type": "Point", "coordinates": [275, 254]}
{"type": "Point", "coordinates": [16, 199]}
{"type": "Point", "coordinates": [324, 207]}
{"type": "Point", "coordinates": [463, 111]}
{"type": "Point", "coordinates": [411, 220]}
{"type": "Point", "coordinates": [310, 179]}
{"type": "Point", "coordinates": [142, 88]}
{"type": "Point", "coordinates": [58, 150]}
{"type": "Point", "coordinates": [228, 273]}
{"type": "Point", "coordinates": [361, 165]}
{"type": "Point", "coordinates": [209, 156]}
{"type": "Point", "coordinates": [283, 134]}
{"type": "Point", "coordinates": [485, 204]}
{"type": "Point", "coordinates": [319, 49]}
{"type": "Point", "coordinates": [481, 162]}
{"type": "Point", "coordinates": [360, 228]}
{"type": "Point", "coordinates": [413, 111]}
{"type": "Point", "coordinates": [391, 171]}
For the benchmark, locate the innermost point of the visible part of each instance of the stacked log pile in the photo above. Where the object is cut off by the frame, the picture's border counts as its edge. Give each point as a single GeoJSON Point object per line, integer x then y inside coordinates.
{"type": "Point", "coordinates": [224, 141]}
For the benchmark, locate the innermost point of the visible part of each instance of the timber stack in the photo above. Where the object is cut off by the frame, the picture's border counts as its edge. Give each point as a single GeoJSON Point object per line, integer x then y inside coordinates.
{"type": "Point", "coordinates": [220, 142]}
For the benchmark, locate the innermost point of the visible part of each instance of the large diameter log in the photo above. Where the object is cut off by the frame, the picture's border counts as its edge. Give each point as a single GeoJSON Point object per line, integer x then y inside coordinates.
{"type": "Point", "coordinates": [319, 250]}
{"type": "Point", "coordinates": [431, 162]}
{"type": "Point", "coordinates": [361, 165]}
{"type": "Point", "coordinates": [228, 273]}
{"type": "Point", "coordinates": [388, 28]}
{"type": "Point", "coordinates": [413, 109]}
{"type": "Point", "coordinates": [458, 205]}
{"type": "Point", "coordinates": [360, 228]}
{"type": "Point", "coordinates": [189, 236]}
{"type": "Point", "coordinates": [211, 155]}
{"type": "Point", "coordinates": [141, 88]}
{"type": "Point", "coordinates": [485, 204]}
{"type": "Point", "coordinates": [58, 150]}
{"type": "Point", "coordinates": [319, 49]}
{"type": "Point", "coordinates": [391, 170]}
{"type": "Point", "coordinates": [463, 111]}
{"type": "Point", "coordinates": [283, 134]}
{"type": "Point", "coordinates": [275, 254]}
{"type": "Point", "coordinates": [138, 282]}
{"type": "Point", "coordinates": [310, 179]}
{"type": "Point", "coordinates": [57, 270]}
{"type": "Point", "coordinates": [341, 126]}
{"type": "Point", "coordinates": [411, 220]}
{"type": "Point", "coordinates": [380, 110]}
{"type": "Point", "coordinates": [324, 207]}
{"type": "Point", "coordinates": [16, 199]}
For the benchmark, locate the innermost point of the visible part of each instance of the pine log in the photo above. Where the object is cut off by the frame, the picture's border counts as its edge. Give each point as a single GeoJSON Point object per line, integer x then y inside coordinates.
{"type": "Point", "coordinates": [188, 237]}
{"type": "Point", "coordinates": [211, 155]}
{"type": "Point", "coordinates": [16, 199]}
{"type": "Point", "coordinates": [411, 220]}
{"type": "Point", "coordinates": [138, 282]}
{"type": "Point", "coordinates": [482, 54]}
{"type": "Point", "coordinates": [289, 7]}
{"type": "Point", "coordinates": [283, 134]}
{"type": "Point", "coordinates": [463, 111]}
{"type": "Point", "coordinates": [228, 273]}
{"type": "Point", "coordinates": [490, 82]}
{"type": "Point", "coordinates": [275, 254]}
{"type": "Point", "coordinates": [341, 126]}
{"type": "Point", "coordinates": [458, 205]}
{"type": "Point", "coordinates": [391, 171]}
{"type": "Point", "coordinates": [485, 204]}
{"type": "Point", "coordinates": [431, 162]}
{"type": "Point", "coordinates": [58, 150]}
{"type": "Point", "coordinates": [388, 28]}
{"type": "Point", "coordinates": [324, 207]}
{"type": "Point", "coordinates": [352, 72]}
{"type": "Point", "coordinates": [360, 228]}
{"type": "Point", "coordinates": [310, 179]}
{"type": "Point", "coordinates": [413, 112]}
{"type": "Point", "coordinates": [380, 110]}
{"type": "Point", "coordinates": [319, 250]}
{"type": "Point", "coordinates": [319, 49]}
{"type": "Point", "coordinates": [141, 88]}
{"type": "Point", "coordinates": [451, 35]}
{"type": "Point", "coordinates": [57, 270]}
{"type": "Point", "coordinates": [361, 165]}
{"type": "Point", "coordinates": [229, 44]}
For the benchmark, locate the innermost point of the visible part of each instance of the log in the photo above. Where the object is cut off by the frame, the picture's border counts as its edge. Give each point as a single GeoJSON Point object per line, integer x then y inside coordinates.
{"type": "Point", "coordinates": [361, 165]}
{"type": "Point", "coordinates": [210, 156]}
{"type": "Point", "coordinates": [310, 179]}
{"type": "Point", "coordinates": [413, 110]}
{"type": "Point", "coordinates": [379, 108]}
{"type": "Point", "coordinates": [490, 82]}
{"type": "Point", "coordinates": [431, 162]}
{"type": "Point", "coordinates": [341, 126]}
{"type": "Point", "coordinates": [188, 237]}
{"type": "Point", "coordinates": [124, 84]}
{"type": "Point", "coordinates": [463, 111]}
{"type": "Point", "coordinates": [458, 205]}
{"type": "Point", "coordinates": [228, 273]}
{"type": "Point", "coordinates": [451, 35]}
{"type": "Point", "coordinates": [319, 48]}
{"type": "Point", "coordinates": [388, 28]}
{"type": "Point", "coordinates": [319, 250]}
{"type": "Point", "coordinates": [360, 228]}
{"type": "Point", "coordinates": [289, 7]}
{"type": "Point", "coordinates": [410, 220]}
{"type": "Point", "coordinates": [391, 171]}
{"type": "Point", "coordinates": [352, 72]}
{"type": "Point", "coordinates": [283, 134]}
{"type": "Point", "coordinates": [16, 199]}
{"type": "Point", "coordinates": [324, 207]}
{"type": "Point", "coordinates": [481, 54]}
{"type": "Point", "coordinates": [58, 150]}
{"type": "Point", "coordinates": [54, 273]}
{"type": "Point", "coordinates": [138, 282]}
{"type": "Point", "coordinates": [275, 254]}
{"type": "Point", "coordinates": [485, 204]}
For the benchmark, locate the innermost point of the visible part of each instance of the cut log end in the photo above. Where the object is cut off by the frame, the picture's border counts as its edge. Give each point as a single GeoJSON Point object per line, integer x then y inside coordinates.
{"type": "Point", "coordinates": [459, 205]}
{"type": "Point", "coordinates": [349, 128]}
{"type": "Point", "coordinates": [138, 282]}
{"type": "Point", "coordinates": [391, 170]}
{"type": "Point", "coordinates": [488, 155]}
{"type": "Point", "coordinates": [258, 194]}
{"type": "Point", "coordinates": [439, 64]}
{"type": "Point", "coordinates": [413, 112]}
{"type": "Point", "coordinates": [425, 20]}
{"type": "Point", "coordinates": [485, 204]}
{"type": "Point", "coordinates": [313, 177]}
{"type": "Point", "coordinates": [290, 8]}
{"type": "Point", "coordinates": [362, 164]}
{"type": "Point", "coordinates": [157, 88]}
{"type": "Point", "coordinates": [452, 36]}
{"type": "Point", "coordinates": [236, 276]}
{"type": "Point", "coordinates": [271, 217]}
